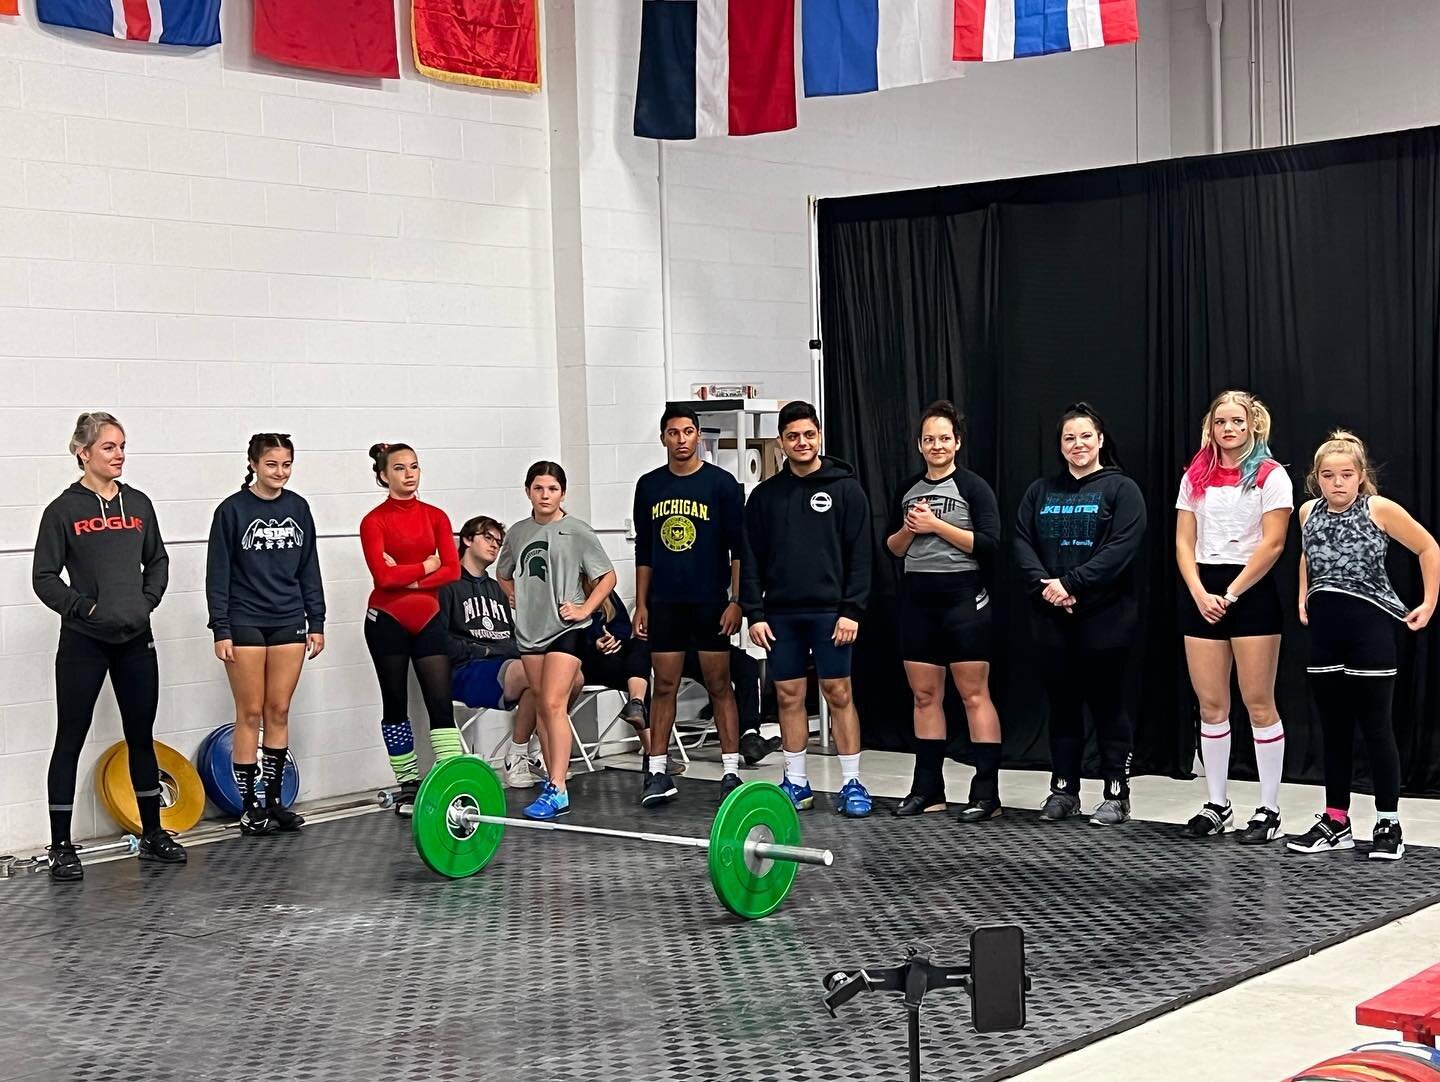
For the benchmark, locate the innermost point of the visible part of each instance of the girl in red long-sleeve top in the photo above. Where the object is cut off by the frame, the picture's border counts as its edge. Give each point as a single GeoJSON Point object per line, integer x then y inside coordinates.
{"type": "Point", "coordinates": [410, 550]}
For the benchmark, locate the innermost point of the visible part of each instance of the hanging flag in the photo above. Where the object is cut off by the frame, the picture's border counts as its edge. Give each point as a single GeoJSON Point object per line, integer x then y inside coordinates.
{"type": "Point", "coordinates": [169, 22]}
{"type": "Point", "coordinates": [353, 38]}
{"type": "Point", "coordinates": [855, 46]}
{"type": "Point", "coordinates": [1008, 29]}
{"type": "Point", "coordinates": [494, 43]}
{"type": "Point", "coordinates": [9, 7]}
{"type": "Point", "coordinates": [715, 67]}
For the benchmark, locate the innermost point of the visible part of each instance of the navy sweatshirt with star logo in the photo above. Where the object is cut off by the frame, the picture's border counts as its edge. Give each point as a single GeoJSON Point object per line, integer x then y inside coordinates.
{"type": "Point", "coordinates": [262, 568]}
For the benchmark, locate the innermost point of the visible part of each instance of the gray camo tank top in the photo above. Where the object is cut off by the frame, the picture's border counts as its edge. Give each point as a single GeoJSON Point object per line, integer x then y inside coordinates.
{"type": "Point", "coordinates": [1345, 553]}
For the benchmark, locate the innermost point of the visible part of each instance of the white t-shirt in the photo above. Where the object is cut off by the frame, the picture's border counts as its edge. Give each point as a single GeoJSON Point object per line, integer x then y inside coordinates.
{"type": "Point", "coordinates": [1227, 517]}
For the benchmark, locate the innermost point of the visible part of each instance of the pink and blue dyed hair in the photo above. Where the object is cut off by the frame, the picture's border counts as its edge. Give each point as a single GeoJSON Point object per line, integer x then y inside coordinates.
{"type": "Point", "coordinates": [1200, 474]}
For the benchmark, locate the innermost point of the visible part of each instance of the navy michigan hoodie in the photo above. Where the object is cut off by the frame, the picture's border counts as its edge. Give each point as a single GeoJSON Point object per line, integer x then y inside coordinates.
{"type": "Point", "coordinates": [113, 555]}
{"type": "Point", "coordinates": [807, 544]}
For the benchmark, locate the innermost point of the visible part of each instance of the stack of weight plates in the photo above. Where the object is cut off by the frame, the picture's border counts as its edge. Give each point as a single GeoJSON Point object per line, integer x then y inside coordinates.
{"type": "Point", "coordinates": [182, 796]}
{"type": "Point", "coordinates": [214, 759]}
{"type": "Point", "coordinates": [1379, 1061]}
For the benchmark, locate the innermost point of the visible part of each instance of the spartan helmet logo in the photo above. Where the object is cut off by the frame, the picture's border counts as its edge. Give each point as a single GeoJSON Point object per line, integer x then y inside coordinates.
{"type": "Point", "coordinates": [535, 560]}
{"type": "Point", "coordinates": [678, 533]}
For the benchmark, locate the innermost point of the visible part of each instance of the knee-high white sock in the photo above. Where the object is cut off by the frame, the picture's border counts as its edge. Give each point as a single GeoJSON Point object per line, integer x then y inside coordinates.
{"type": "Point", "coordinates": [1215, 754]}
{"type": "Point", "coordinates": [1270, 761]}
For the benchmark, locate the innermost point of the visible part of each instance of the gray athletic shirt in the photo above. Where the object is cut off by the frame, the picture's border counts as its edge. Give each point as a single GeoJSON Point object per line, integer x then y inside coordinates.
{"type": "Point", "coordinates": [546, 560]}
{"type": "Point", "coordinates": [962, 499]}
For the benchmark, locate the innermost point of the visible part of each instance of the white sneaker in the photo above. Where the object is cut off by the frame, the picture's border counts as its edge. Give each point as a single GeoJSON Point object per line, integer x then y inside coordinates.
{"type": "Point", "coordinates": [518, 774]}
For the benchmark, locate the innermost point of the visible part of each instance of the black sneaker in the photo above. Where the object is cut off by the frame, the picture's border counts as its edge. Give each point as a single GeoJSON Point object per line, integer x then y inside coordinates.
{"type": "Point", "coordinates": [405, 799]}
{"type": "Point", "coordinates": [1210, 820]}
{"type": "Point", "coordinates": [658, 789]}
{"type": "Point", "coordinates": [65, 866]}
{"type": "Point", "coordinates": [285, 820]}
{"type": "Point", "coordinates": [919, 804]}
{"type": "Point", "coordinates": [754, 747]}
{"type": "Point", "coordinates": [1264, 826]}
{"type": "Point", "coordinates": [160, 847]}
{"type": "Point", "coordinates": [254, 822]}
{"type": "Point", "coordinates": [977, 811]}
{"type": "Point", "coordinates": [1059, 806]}
{"type": "Point", "coordinates": [728, 784]}
{"type": "Point", "coordinates": [1326, 836]}
{"type": "Point", "coordinates": [633, 712]}
{"type": "Point", "coordinates": [1386, 843]}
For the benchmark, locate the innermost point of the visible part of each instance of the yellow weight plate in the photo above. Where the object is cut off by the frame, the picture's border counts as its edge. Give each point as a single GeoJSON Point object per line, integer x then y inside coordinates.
{"type": "Point", "coordinates": [182, 795]}
{"type": "Point", "coordinates": [102, 789]}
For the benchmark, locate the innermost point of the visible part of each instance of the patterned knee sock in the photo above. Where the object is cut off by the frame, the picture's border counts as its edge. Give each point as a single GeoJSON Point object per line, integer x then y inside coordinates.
{"type": "Point", "coordinates": [446, 742]}
{"type": "Point", "coordinates": [273, 771]}
{"type": "Point", "coordinates": [400, 743]}
{"type": "Point", "coordinates": [245, 782]}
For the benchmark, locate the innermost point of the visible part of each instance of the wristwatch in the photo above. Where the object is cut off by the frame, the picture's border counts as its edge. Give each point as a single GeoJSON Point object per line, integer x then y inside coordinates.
{"type": "Point", "coordinates": [1231, 598]}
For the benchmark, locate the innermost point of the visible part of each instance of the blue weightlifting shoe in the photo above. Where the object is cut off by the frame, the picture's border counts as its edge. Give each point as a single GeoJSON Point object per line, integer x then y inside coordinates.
{"type": "Point", "coordinates": [802, 796]}
{"type": "Point", "coordinates": [853, 800]}
{"type": "Point", "coordinates": [550, 804]}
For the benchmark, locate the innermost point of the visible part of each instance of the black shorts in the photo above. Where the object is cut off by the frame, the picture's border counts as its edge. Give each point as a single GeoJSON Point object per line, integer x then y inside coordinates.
{"type": "Point", "coordinates": [678, 627]}
{"type": "Point", "coordinates": [798, 636]}
{"type": "Point", "coordinates": [1351, 635]}
{"type": "Point", "coordinates": [385, 635]}
{"type": "Point", "coordinates": [277, 635]}
{"type": "Point", "coordinates": [944, 618]}
{"type": "Point", "coordinates": [571, 642]}
{"type": "Point", "coordinates": [1258, 611]}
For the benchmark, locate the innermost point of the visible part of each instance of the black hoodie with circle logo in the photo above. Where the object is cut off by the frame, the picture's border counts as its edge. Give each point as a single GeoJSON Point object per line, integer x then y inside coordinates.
{"type": "Point", "coordinates": [111, 552]}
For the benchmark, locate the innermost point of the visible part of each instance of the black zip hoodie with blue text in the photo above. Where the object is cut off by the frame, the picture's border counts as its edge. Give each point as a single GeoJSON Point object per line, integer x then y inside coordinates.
{"type": "Point", "coordinates": [807, 544]}
{"type": "Point", "coordinates": [113, 555]}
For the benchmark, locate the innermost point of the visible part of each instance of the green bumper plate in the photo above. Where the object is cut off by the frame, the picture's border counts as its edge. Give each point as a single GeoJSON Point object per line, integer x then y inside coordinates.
{"type": "Point", "coordinates": [741, 888]}
{"type": "Point", "coordinates": [451, 848]}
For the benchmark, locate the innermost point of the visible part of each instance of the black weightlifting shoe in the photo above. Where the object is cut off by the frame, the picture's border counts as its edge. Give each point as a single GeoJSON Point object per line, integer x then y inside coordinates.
{"type": "Point", "coordinates": [285, 820]}
{"type": "Point", "coordinates": [635, 716]}
{"type": "Point", "coordinates": [919, 804]}
{"type": "Point", "coordinates": [65, 866]}
{"type": "Point", "coordinates": [754, 747]}
{"type": "Point", "coordinates": [254, 822]}
{"type": "Point", "coordinates": [1264, 826]}
{"type": "Point", "coordinates": [1326, 836]}
{"type": "Point", "coordinates": [977, 811]}
{"type": "Point", "coordinates": [160, 847]}
{"type": "Point", "coordinates": [405, 799]}
{"type": "Point", "coordinates": [1210, 820]}
{"type": "Point", "coordinates": [728, 784]}
{"type": "Point", "coordinates": [658, 789]}
{"type": "Point", "coordinates": [1387, 841]}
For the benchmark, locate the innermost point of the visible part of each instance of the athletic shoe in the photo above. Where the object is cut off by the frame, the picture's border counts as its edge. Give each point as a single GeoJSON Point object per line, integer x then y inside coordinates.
{"type": "Point", "coordinates": [1210, 820]}
{"type": "Point", "coordinates": [1110, 812]}
{"type": "Point", "coordinates": [518, 774]}
{"type": "Point", "coordinates": [1387, 842]}
{"type": "Point", "coordinates": [65, 866]}
{"type": "Point", "coordinates": [753, 747]}
{"type": "Point", "coordinates": [286, 821]}
{"type": "Point", "coordinates": [802, 796]}
{"type": "Point", "coordinates": [550, 804]}
{"type": "Point", "coordinates": [853, 800]}
{"type": "Point", "coordinates": [633, 712]}
{"type": "Point", "coordinates": [405, 798]}
{"type": "Point", "coordinates": [977, 811]}
{"type": "Point", "coordinates": [1264, 826]}
{"type": "Point", "coordinates": [1059, 806]}
{"type": "Point", "coordinates": [254, 822]}
{"type": "Point", "coordinates": [159, 846]}
{"type": "Point", "coordinates": [919, 804]}
{"type": "Point", "coordinates": [1326, 836]}
{"type": "Point", "coordinates": [728, 784]}
{"type": "Point", "coordinates": [658, 789]}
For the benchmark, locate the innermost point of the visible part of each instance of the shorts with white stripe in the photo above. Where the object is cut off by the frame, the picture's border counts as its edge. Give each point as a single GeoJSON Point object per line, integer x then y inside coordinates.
{"type": "Point", "coordinates": [1350, 635]}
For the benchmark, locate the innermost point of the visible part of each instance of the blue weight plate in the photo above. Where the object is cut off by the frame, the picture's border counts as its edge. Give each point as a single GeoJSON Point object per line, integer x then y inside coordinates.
{"type": "Point", "coordinates": [219, 778]}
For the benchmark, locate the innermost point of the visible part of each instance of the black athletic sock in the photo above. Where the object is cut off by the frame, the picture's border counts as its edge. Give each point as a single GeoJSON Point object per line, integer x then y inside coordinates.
{"type": "Point", "coordinates": [245, 774]}
{"type": "Point", "coordinates": [929, 777]}
{"type": "Point", "coordinates": [273, 771]}
{"type": "Point", "coordinates": [149, 812]}
{"type": "Point", "coordinates": [986, 783]}
{"type": "Point", "coordinates": [60, 825]}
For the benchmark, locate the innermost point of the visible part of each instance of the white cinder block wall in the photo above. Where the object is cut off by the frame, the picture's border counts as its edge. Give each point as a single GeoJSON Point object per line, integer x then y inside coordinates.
{"type": "Point", "coordinates": [210, 245]}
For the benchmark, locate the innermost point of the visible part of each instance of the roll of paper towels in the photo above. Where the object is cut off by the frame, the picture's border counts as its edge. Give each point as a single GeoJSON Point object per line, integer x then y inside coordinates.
{"type": "Point", "coordinates": [754, 468]}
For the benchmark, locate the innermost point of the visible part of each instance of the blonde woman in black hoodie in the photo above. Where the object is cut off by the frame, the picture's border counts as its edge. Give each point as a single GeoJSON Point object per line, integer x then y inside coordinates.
{"type": "Point", "coordinates": [104, 536]}
{"type": "Point", "coordinates": [1077, 534]}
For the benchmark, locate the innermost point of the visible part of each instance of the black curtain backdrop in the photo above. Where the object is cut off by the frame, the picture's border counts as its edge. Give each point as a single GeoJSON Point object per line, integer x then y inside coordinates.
{"type": "Point", "coordinates": [1307, 275]}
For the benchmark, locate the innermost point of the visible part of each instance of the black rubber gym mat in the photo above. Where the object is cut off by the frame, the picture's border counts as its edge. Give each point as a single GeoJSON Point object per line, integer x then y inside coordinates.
{"type": "Point", "coordinates": [336, 954]}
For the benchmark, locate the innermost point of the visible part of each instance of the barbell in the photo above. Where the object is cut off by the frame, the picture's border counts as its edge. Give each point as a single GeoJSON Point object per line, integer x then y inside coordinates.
{"type": "Point", "coordinates": [128, 845]}
{"type": "Point", "coordinates": [754, 848]}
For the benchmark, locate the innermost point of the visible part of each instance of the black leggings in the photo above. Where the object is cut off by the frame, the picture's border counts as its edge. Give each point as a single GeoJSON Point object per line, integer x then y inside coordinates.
{"type": "Point", "coordinates": [1341, 700]}
{"type": "Point", "coordinates": [393, 650]}
{"type": "Point", "coordinates": [81, 664]}
{"type": "Point", "coordinates": [1074, 678]}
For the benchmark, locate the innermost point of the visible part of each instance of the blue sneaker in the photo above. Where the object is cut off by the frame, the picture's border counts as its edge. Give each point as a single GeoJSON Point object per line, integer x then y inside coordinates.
{"type": "Point", "coordinates": [853, 800]}
{"type": "Point", "coordinates": [550, 804]}
{"type": "Point", "coordinates": [801, 796]}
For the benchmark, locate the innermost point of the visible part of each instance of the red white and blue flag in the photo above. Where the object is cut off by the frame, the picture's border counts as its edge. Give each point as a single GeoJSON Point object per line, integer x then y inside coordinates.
{"type": "Point", "coordinates": [715, 67]}
{"type": "Point", "coordinates": [167, 22]}
{"type": "Point", "coordinates": [855, 46]}
{"type": "Point", "coordinates": [1010, 29]}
